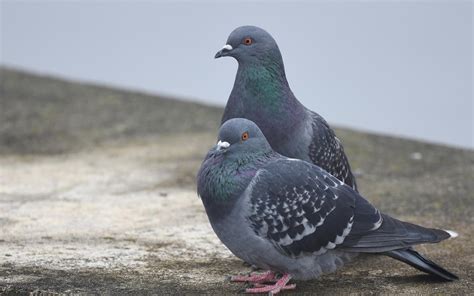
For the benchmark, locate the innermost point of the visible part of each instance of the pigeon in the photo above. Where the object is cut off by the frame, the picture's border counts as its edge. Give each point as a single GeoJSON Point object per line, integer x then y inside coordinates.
{"type": "Point", "coordinates": [262, 94]}
{"type": "Point", "coordinates": [294, 219]}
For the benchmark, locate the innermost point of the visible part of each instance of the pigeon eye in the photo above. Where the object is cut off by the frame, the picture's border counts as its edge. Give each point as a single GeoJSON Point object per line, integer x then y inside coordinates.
{"type": "Point", "coordinates": [247, 41]}
{"type": "Point", "coordinates": [245, 136]}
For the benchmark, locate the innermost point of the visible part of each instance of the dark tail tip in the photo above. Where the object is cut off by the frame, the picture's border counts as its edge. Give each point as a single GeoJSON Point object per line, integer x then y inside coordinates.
{"type": "Point", "coordinates": [415, 259]}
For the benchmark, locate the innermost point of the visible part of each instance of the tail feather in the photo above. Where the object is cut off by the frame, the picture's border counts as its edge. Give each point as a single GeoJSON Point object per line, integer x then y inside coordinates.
{"type": "Point", "coordinates": [393, 234]}
{"type": "Point", "coordinates": [415, 259]}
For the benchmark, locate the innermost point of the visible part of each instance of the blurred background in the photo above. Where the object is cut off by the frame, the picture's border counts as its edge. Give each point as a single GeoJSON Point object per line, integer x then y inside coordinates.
{"type": "Point", "coordinates": [107, 109]}
{"type": "Point", "coordinates": [400, 68]}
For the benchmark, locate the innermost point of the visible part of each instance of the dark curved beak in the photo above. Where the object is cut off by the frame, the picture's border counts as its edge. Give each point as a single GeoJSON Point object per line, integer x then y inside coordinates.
{"type": "Point", "coordinates": [224, 51]}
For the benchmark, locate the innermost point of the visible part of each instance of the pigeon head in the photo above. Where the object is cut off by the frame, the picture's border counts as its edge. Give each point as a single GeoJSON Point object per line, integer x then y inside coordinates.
{"type": "Point", "coordinates": [240, 135]}
{"type": "Point", "coordinates": [250, 44]}
{"type": "Point", "coordinates": [231, 164]}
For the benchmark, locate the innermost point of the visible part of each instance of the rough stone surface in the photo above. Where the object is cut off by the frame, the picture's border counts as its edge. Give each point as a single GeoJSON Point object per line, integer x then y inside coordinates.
{"type": "Point", "coordinates": [121, 216]}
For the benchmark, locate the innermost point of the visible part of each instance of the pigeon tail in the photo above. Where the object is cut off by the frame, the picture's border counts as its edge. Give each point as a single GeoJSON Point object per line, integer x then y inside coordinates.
{"type": "Point", "coordinates": [393, 234]}
{"type": "Point", "coordinates": [415, 259]}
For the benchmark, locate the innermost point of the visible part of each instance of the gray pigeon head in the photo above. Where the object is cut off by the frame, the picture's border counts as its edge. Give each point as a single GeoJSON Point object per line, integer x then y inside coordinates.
{"type": "Point", "coordinates": [250, 44]}
{"type": "Point", "coordinates": [240, 135]}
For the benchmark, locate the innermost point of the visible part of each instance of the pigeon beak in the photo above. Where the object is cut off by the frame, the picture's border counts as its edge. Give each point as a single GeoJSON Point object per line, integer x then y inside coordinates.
{"type": "Point", "coordinates": [224, 51]}
{"type": "Point", "coordinates": [221, 145]}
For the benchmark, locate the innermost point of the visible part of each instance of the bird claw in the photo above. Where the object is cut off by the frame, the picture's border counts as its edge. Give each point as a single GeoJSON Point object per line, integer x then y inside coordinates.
{"type": "Point", "coordinates": [270, 289]}
{"type": "Point", "coordinates": [280, 285]}
{"type": "Point", "coordinates": [255, 277]}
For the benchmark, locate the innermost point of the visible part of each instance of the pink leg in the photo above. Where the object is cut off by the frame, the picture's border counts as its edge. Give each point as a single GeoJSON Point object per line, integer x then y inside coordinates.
{"type": "Point", "coordinates": [281, 284]}
{"type": "Point", "coordinates": [254, 277]}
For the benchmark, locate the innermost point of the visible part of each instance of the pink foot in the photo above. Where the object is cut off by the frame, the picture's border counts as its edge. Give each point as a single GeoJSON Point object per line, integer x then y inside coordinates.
{"type": "Point", "coordinates": [254, 277]}
{"type": "Point", "coordinates": [281, 284]}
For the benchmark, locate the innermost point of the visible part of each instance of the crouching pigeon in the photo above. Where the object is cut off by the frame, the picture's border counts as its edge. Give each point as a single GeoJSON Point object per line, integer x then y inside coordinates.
{"type": "Point", "coordinates": [291, 217]}
{"type": "Point", "coordinates": [261, 93]}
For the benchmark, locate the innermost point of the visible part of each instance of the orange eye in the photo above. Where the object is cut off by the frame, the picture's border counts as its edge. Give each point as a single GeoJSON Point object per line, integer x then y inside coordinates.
{"type": "Point", "coordinates": [245, 136]}
{"type": "Point", "coordinates": [247, 41]}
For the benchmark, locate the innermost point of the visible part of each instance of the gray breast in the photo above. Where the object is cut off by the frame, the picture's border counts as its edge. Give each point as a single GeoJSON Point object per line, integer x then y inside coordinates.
{"type": "Point", "coordinates": [236, 234]}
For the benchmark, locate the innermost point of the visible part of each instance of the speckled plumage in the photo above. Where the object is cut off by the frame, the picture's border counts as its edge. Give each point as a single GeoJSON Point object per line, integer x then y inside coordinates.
{"type": "Point", "coordinates": [291, 216]}
{"type": "Point", "coordinates": [261, 93]}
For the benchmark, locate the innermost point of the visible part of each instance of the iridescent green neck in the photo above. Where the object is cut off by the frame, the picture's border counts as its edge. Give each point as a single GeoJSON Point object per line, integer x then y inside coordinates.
{"type": "Point", "coordinates": [228, 176]}
{"type": "Point", "coordinates": [264, 82]}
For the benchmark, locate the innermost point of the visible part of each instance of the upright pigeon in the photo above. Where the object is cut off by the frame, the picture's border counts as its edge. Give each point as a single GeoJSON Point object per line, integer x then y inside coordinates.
{"type": "Point", "coordinates": [291, 217]}
{"type": "Point", "coordinates": [261, 93]}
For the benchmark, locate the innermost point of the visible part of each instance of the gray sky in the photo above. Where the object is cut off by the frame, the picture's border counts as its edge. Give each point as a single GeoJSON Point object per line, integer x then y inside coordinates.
{"type": "Point", "coordinates": [402, 68]}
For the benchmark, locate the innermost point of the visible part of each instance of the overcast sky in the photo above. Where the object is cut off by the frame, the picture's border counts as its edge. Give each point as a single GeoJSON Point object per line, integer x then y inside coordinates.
{"type": "Point", "coordinates": [402, 68]}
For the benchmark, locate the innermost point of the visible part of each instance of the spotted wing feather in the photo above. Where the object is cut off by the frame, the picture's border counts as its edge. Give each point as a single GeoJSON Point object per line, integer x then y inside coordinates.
{"type": "Point", "coordinates": [327, 152]}
{"type": "Point", "coordinates": [300, 208]}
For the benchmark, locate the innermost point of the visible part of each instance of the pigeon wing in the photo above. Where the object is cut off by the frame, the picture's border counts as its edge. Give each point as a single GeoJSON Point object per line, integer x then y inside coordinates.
{"type": "Point", "coordinates": [300, 208]}
{"type": "Point", "coordinates": [327, 152]}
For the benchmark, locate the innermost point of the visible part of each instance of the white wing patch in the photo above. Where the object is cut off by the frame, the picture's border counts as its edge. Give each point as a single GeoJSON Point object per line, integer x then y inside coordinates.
{"type": "Point", "coordinates": [453, 234]}
{"type": "Point", "coordinates": [378, 223]}
{"type": "Point", "coordinates": [340, 238]}
{"type": "Point", "coordinates": [308, 229]}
